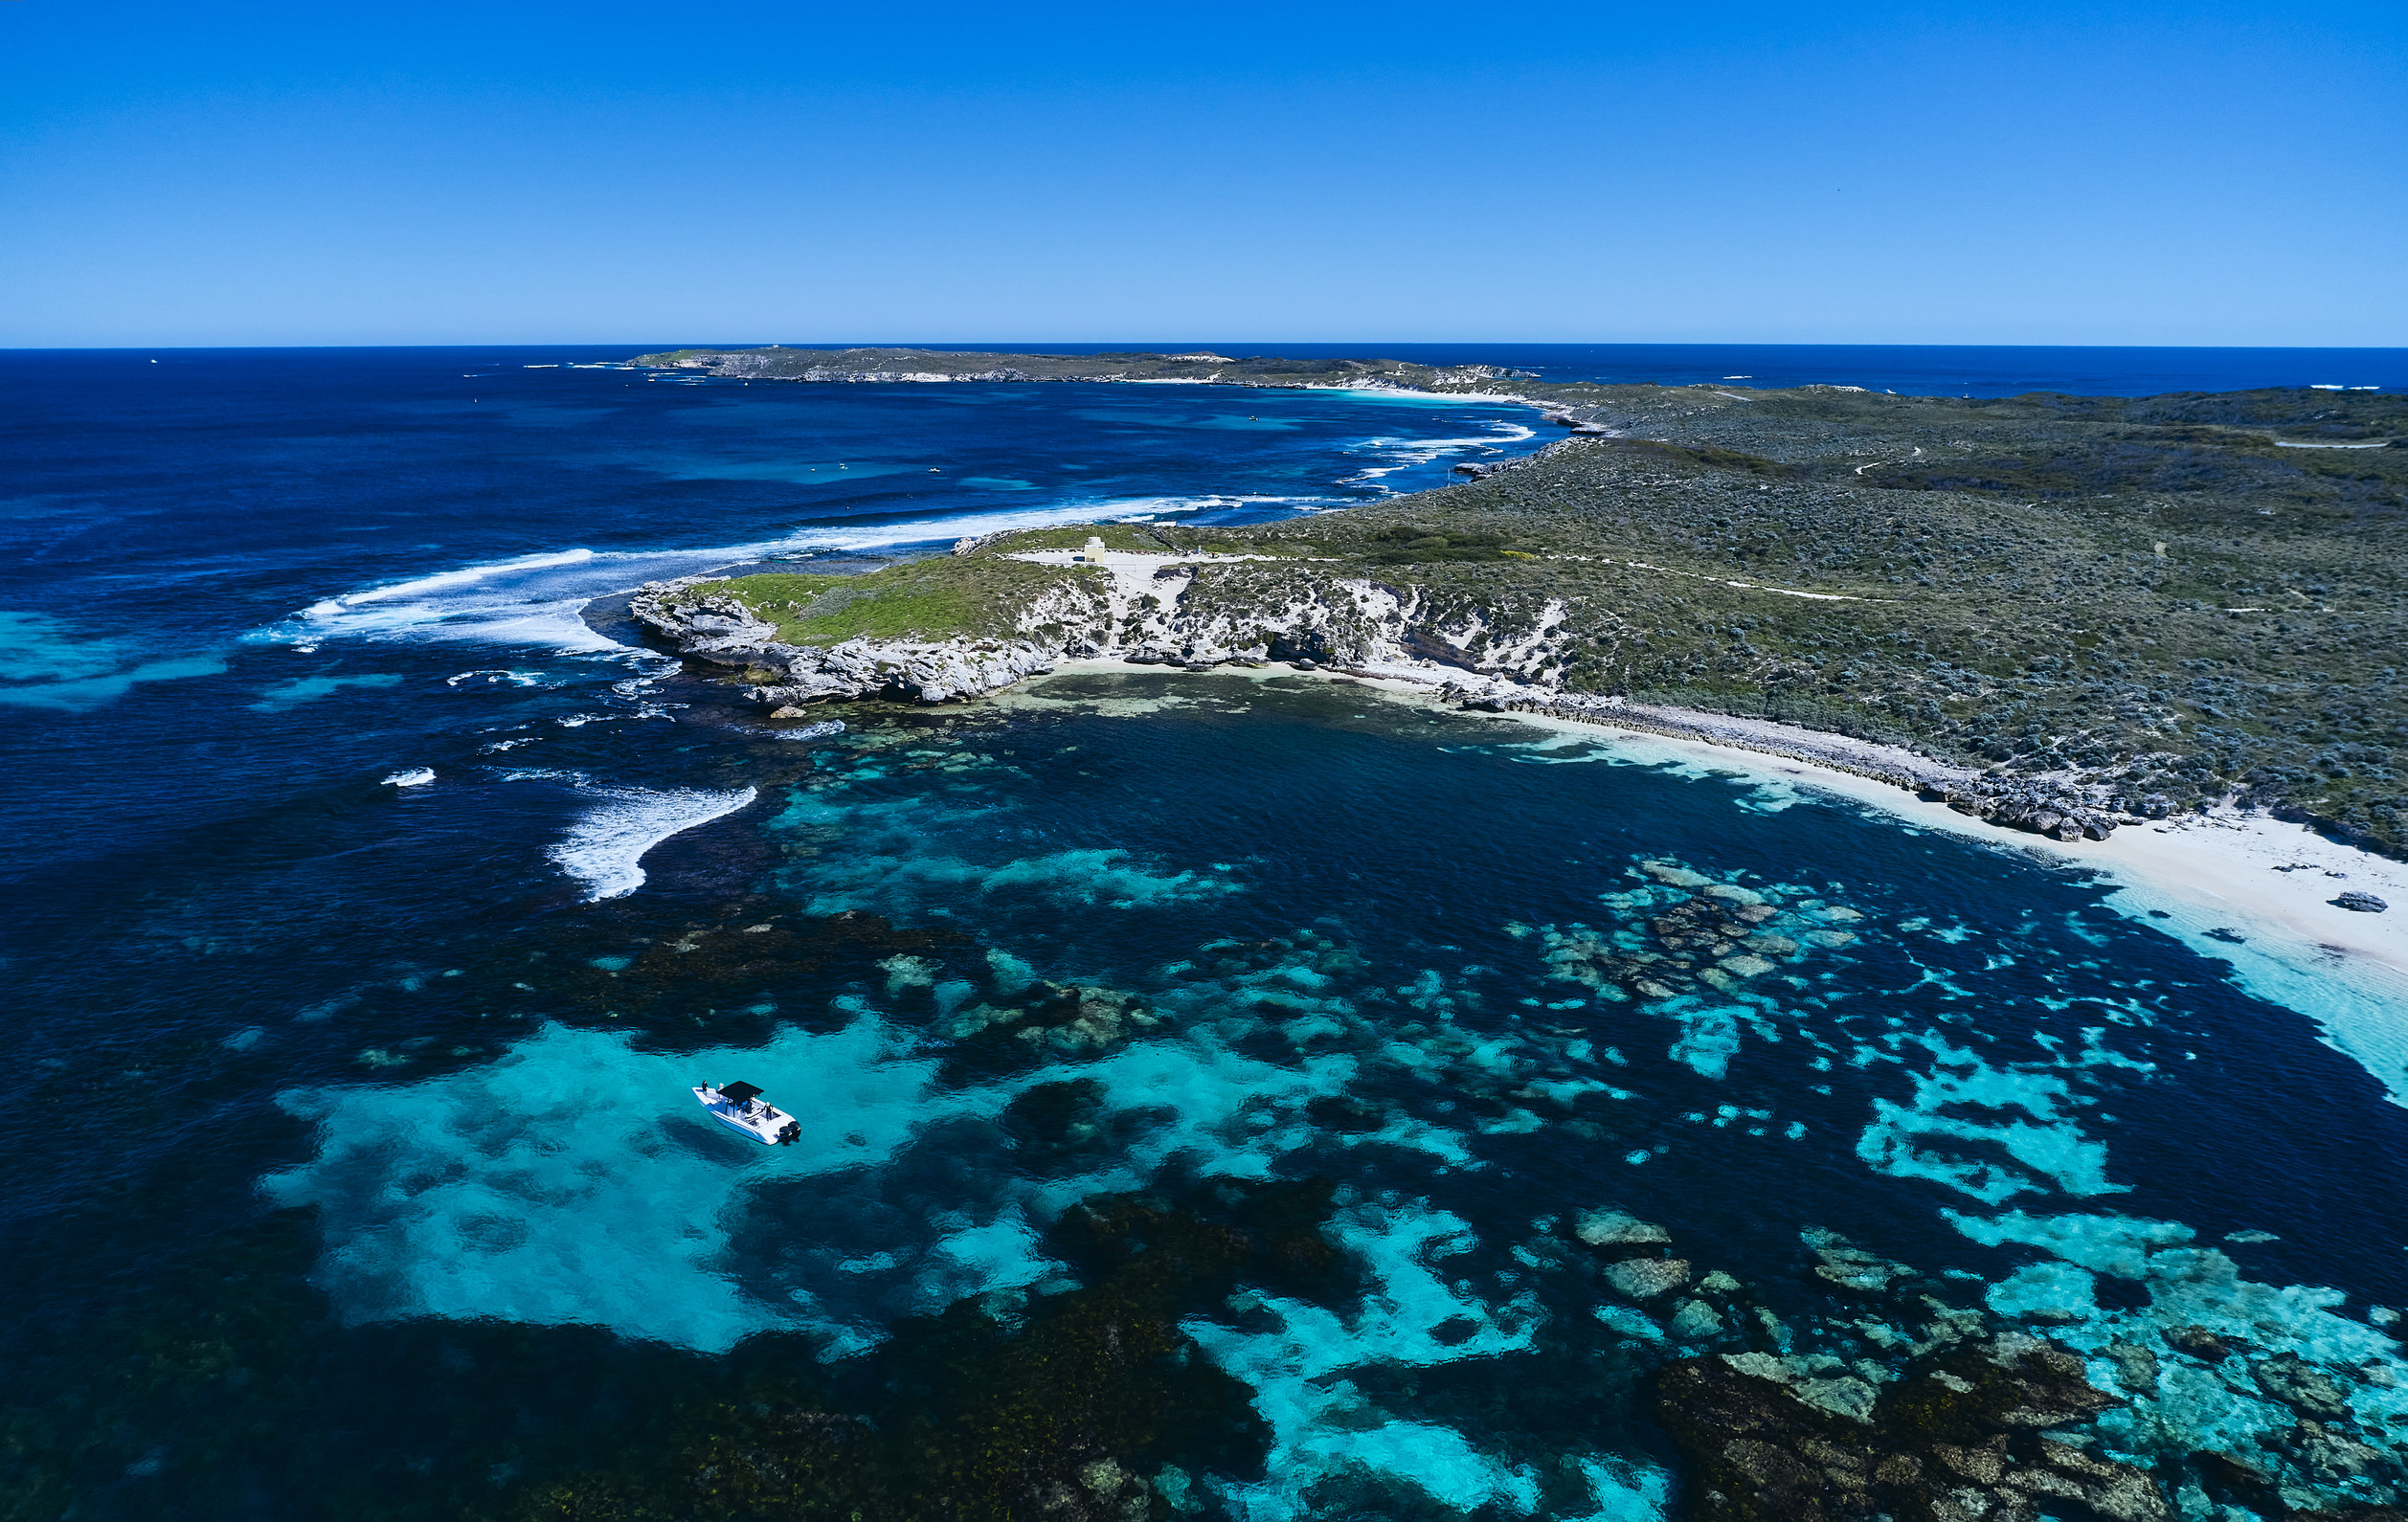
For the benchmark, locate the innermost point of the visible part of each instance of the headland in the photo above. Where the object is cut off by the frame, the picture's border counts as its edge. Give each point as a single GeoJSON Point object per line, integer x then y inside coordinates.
{"type": "Point", "coordinates": [2176, 615]}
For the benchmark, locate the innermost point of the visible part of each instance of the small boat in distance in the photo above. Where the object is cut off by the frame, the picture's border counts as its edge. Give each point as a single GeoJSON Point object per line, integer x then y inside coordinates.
{"type": "Point", "coordinates": [739, 1108]}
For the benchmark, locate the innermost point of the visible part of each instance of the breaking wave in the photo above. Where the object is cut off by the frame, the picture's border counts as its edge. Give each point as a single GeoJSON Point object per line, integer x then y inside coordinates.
{"type": "Point", "coordinates": [605, 850]}
{"type": "Point", "coordinates": [1404, 454]}
{"type": "Point", "coordinates": [537, 601]}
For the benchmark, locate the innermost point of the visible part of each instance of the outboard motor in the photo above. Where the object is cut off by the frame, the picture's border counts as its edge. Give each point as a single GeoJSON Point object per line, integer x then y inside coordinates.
{"type": "Point", "coordinates": [787, 1132]}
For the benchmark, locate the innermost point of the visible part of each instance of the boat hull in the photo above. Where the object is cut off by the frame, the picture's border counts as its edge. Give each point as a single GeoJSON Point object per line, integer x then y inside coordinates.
{"type": "Point", "coordinates": [753, 1118]}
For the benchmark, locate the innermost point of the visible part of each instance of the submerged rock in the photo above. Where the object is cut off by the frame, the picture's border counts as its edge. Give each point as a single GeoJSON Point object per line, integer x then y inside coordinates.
{"type": "Point", "coordinates": [2135, 1367]}
{"type": "Point", "coordinates": [1695, 1321]}
{"type": "Point", "coordinates": [1064, 1019]}
{"type": "Point", "coordinates": [2199, 1343]}
{"type": "Point", "coordinates": [1846, 1396]}
{"type": "Point", "coordinates": [1959, 1437]}
{"type": "Point", "coordinates": [1675, 876]}
{"type": "Point", "coordinates": [1646, 1277]}
{"type": "Point", "coordinates": [1613, 1228]}
{"type": "Point", "coordinates": [1850, 1266]}
{"type": "Point", "coordinates": [2302, 1386]}
{"type": "Point", "coordinates": [1686, 933]}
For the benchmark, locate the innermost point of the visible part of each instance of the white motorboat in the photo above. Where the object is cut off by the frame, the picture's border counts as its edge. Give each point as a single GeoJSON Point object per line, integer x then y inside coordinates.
{"type": "Point", "coordinates": [741, 1107]}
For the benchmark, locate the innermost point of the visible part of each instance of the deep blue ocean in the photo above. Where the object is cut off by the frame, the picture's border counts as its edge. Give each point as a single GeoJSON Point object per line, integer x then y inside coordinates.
{"type": "Point", "coordinates": [351, 1163]}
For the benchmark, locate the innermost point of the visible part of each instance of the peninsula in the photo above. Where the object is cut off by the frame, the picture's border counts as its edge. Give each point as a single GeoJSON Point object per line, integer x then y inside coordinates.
{"type": "Point", "coordinates": [2059, 611]}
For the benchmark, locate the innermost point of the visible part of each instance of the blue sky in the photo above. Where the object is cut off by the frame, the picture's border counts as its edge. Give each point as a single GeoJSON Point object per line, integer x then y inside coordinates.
{"type": "Point", "coordinates": [252, 172]}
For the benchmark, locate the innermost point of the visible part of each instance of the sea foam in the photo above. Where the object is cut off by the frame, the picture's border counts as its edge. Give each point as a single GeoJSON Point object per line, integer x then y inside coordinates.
{"type": "Point", "coordinates": [605, 850]}
{"type": "Point", "coordinates": [536, 601]}
{"type": "Point", "coordinates": [1407, 453]}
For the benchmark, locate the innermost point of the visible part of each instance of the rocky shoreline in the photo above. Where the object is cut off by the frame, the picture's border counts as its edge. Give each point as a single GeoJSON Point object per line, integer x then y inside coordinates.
{"type": "Point", "coordinates": [720, 631]}
{"type": "Point", "coordinates": [2064, 811]}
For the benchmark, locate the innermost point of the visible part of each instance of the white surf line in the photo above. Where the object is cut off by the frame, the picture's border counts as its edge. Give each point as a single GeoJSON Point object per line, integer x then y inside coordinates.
{"type": "Point", "coordinates": [2285, 443]}
{"type": "Point", "coordinates": [1408, 453]}
{"type": "Point", "coordinates": [605, 850]}
{"type": "Point", "coordinates": [539, 599]}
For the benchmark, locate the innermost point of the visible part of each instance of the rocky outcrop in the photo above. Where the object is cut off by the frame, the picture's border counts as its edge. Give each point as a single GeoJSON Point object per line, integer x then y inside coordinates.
{"type": "Point", "coordinates": [716, 629]}
{"type": "Point", "coordinates": [2039, 808]}
{"type": "Point", "coordinates": [952, 671]}
{"type": "Point", "coordinates": [719, 629]}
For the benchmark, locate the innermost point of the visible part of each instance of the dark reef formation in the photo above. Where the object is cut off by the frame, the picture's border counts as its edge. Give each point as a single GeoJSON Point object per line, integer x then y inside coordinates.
{"type": "Point", "coordinates": [1066, 1407]}
{"type": "Point", "coordinates": [1963, 1437]}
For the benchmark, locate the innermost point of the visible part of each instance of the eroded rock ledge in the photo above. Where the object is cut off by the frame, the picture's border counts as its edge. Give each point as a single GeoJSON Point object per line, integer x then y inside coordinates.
{"type": "Point", "coordinates": [721, 631]}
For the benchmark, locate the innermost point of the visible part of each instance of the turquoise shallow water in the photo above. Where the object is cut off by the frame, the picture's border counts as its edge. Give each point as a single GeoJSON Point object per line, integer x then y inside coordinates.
{"type": "Point", "coordinates": [354, 1166]}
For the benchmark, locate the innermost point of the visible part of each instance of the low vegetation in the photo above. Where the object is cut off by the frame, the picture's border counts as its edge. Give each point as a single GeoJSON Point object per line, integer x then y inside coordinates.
{"type": "Point", "coordinates": [2195, 597]}
{"type": "Point", "coordinates": [942, 598]}
{"type": "Point", "coordinates": [2151, 591]}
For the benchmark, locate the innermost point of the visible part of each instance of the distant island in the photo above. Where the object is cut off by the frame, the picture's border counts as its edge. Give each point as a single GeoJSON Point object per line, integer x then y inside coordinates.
{"type": "Point", "coordinates": [900, 365]}
{"type": "Point", "coordinates": [2079, 611]}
